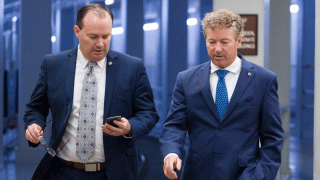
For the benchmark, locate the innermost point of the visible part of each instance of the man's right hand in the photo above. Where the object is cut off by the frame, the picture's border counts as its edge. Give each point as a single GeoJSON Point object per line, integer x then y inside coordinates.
{"type": "Point", "coordinates": [171, 163]}
{"type": "Point", "coordinates": [33, 133]}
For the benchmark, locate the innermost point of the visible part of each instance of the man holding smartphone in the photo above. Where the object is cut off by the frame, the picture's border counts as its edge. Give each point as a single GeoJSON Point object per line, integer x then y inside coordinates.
{"type": "Point", "coordinates": [82, 87]}
{"type": "Point", "coordinates": [114, 118]}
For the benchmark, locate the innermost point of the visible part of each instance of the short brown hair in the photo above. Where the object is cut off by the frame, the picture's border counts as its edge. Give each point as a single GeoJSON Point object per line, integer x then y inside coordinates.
{"type": "Point", "coordinates": [223, 19]}
{"type": "Point", "coordinates": [97, 8]}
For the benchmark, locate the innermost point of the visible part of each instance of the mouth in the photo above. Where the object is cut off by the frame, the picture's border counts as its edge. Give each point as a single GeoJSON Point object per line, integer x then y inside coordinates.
{"type": "Point", "coordinates": [98, 51]}
{"type": "Point", "coordinates": [217, 56]}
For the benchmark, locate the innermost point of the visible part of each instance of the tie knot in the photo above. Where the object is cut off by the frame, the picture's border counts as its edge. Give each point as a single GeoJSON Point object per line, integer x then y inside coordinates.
{"type": "Point", "coordinates": [91, 64]}
{"type": "Point", "coordinates": [222, 73]}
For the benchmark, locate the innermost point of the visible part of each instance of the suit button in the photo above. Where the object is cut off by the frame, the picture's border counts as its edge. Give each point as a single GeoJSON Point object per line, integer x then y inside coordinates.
{"type": "Point", "coordinates": [220, 129]}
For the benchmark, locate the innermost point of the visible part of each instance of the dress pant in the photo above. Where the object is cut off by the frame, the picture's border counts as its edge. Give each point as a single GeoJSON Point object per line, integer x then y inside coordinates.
{"type": "Point", "coordinates": [60, 171]}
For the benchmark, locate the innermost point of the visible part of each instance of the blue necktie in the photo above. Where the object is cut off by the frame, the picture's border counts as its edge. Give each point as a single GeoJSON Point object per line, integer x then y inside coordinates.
{"type": "Point", "coordinates": [221, 93]}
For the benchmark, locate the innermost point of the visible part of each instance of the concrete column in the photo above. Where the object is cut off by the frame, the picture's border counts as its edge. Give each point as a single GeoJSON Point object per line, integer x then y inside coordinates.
{"type": "Point", "coordinates": [206, 6]}
{"type": "Point", "coordinates": [35, 43]}
{"type": "Point", "coordinates": [173, 43]}
{"type": "Point", "coordinates": [197, 49]}
{"type": "Point", "coordinates": [134, 31]}
{"type": "Point", "coordinates": [1, 81]}
{"type": "Point", "coordinates": [279, 63]}
{"type": "Point", "coordinates": [316, 135]}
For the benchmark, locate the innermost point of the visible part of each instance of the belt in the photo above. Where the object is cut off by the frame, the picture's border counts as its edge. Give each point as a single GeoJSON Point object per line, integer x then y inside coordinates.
{"type": "Point", "coordinates": [89, 167]}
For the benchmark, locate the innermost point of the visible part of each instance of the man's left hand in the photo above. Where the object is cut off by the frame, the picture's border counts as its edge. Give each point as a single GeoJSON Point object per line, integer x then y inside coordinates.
{"type": "Point", "coordinates": [124, 128]}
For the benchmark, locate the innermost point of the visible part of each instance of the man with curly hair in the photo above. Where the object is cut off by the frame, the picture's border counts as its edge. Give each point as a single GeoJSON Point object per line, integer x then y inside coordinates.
{"type": "Point", "coordinates": [227, 105]}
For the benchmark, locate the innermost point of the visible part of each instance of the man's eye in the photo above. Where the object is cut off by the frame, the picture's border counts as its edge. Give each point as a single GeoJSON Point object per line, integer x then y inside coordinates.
{"type": "Point", "coordinates": [225, 42]}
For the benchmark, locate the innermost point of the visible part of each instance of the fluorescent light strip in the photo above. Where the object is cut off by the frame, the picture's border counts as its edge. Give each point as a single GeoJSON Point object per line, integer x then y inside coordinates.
{"type": "Point", "coordinates": [150, 26]}
{"type": "Point", "coordinates": [192, 21]}
{"type": "Point", "coordinates": [117, 30]}
{"type": "Point", "coordinates": [294, 8]}
{"type": "Point", "coordinates": [14, 18]}
{"type": "Point", "coordinates": [109, 2]}
{"type": "Point", "coordinates": [53, 39]}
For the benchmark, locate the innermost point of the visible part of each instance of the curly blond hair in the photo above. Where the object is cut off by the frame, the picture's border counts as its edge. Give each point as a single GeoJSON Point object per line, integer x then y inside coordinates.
{"type": "Point", "coordinates": [223, 19]}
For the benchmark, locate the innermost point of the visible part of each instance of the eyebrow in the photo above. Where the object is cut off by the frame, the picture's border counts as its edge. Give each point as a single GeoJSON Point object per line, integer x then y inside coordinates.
{"type": "Point", "coordinates": [225, 39]}
{"type": "Point", "coordinates": [92, 34]}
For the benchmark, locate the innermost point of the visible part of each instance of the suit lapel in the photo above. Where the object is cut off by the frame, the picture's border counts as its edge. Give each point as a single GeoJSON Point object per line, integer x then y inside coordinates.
{"type": "Point", "coordinates": [69, 65]}
{"type": "Point", "coordinates": [246, 75]}
{"type": "Point", "coordinates": [204, 85]}
{"type": "Point", "coordinates": [111, 76]}
{"type": "Point", "coordinates": [70, 73]}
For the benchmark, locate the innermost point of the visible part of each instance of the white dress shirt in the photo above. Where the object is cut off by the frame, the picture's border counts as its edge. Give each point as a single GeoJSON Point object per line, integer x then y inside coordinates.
{"type": "Point", "coordinates": [68, 152]}
{"type": "Point", "coordinates": [231, 80]}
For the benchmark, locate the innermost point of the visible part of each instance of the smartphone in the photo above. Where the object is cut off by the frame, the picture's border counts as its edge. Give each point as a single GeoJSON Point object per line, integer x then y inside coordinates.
{"type": "Point", "coordinates": [114, 118]}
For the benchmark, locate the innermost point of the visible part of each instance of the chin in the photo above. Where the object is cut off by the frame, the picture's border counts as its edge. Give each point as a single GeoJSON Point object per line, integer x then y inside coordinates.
{"type": "Point", "coordinates": [220, 65]}
{"type": "Point", "coordinates": [98, 57]}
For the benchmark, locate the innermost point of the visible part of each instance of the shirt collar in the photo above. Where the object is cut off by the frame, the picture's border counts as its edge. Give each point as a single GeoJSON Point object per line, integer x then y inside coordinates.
{"type": "Point", "coordinates": [234, 67]}
{"type": "Point", "coordinates": [84, 62]}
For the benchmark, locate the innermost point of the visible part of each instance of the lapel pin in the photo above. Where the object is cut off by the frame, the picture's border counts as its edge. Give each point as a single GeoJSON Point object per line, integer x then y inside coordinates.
{"type": "Point", "coordinates": [249, 74]}
{"type": "Point", "coordinates": [110, 63]}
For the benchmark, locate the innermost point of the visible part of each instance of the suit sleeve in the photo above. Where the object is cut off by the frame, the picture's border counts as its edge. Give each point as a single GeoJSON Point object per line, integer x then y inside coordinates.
{"type": "Point", "coordinates": [144, 112]}
{"type": "Point", "coordinates": [175, 126]}
{"type": "Point", "coordinates": [37, 108]}
{"type": "Point", "coordinates": [271, 137]}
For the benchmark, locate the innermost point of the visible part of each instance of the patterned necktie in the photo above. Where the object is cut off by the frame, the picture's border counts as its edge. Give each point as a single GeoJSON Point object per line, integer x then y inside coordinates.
{"type": "Point", "coordinates": [87, 120]}
{"type": "Point", "coordinates": [221, 93]}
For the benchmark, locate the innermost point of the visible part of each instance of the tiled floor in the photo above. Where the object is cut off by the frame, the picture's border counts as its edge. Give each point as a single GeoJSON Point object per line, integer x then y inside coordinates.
{"type": "Point", "coordinates": [301, 159]}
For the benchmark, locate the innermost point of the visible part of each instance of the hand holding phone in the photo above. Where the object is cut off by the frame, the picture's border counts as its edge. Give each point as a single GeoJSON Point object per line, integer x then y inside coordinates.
{"type": "Point", "coordinates": [114, 118]}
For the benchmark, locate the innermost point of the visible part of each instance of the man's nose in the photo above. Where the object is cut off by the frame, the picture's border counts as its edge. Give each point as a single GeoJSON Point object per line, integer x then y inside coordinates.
{"type": "Point", "coordinates": [99, 42]}
{"type": "Point", "coordinates": [218, 48]}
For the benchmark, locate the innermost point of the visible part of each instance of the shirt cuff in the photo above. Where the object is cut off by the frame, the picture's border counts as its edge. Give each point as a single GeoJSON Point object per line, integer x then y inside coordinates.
{"type": "Point", "coordinates": [128, 136]}
{"type": "Point", "coordinates": [169, 155]}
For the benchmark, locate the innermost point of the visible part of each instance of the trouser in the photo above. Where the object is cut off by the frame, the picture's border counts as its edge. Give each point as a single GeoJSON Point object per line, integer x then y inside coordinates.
{"type": "Point", "coordinates": [60, 171]}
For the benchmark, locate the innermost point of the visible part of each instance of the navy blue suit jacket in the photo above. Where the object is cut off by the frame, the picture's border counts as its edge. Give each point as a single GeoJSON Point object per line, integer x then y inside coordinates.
{"type": "Point", "coordinates": [228, 148]}
{"type": "Point", "coordinates": [127, 93]}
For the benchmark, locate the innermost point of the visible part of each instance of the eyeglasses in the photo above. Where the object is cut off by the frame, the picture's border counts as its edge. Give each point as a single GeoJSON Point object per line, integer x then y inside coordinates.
{"type": "Point", "coordinates": [51, 151]}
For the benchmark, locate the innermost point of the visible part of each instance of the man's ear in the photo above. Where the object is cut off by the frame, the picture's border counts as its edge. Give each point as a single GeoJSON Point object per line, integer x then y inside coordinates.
{"type": "Point", "coordinates": [239, 41]}
{"type": "Point", "coordinates": [76, 30]}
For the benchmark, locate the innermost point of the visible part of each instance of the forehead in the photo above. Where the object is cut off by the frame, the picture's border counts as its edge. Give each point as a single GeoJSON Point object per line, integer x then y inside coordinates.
{"type": "Point", "coordinates": [94, 20]}
{"type": "Point", "coordinates": [220, 33]}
